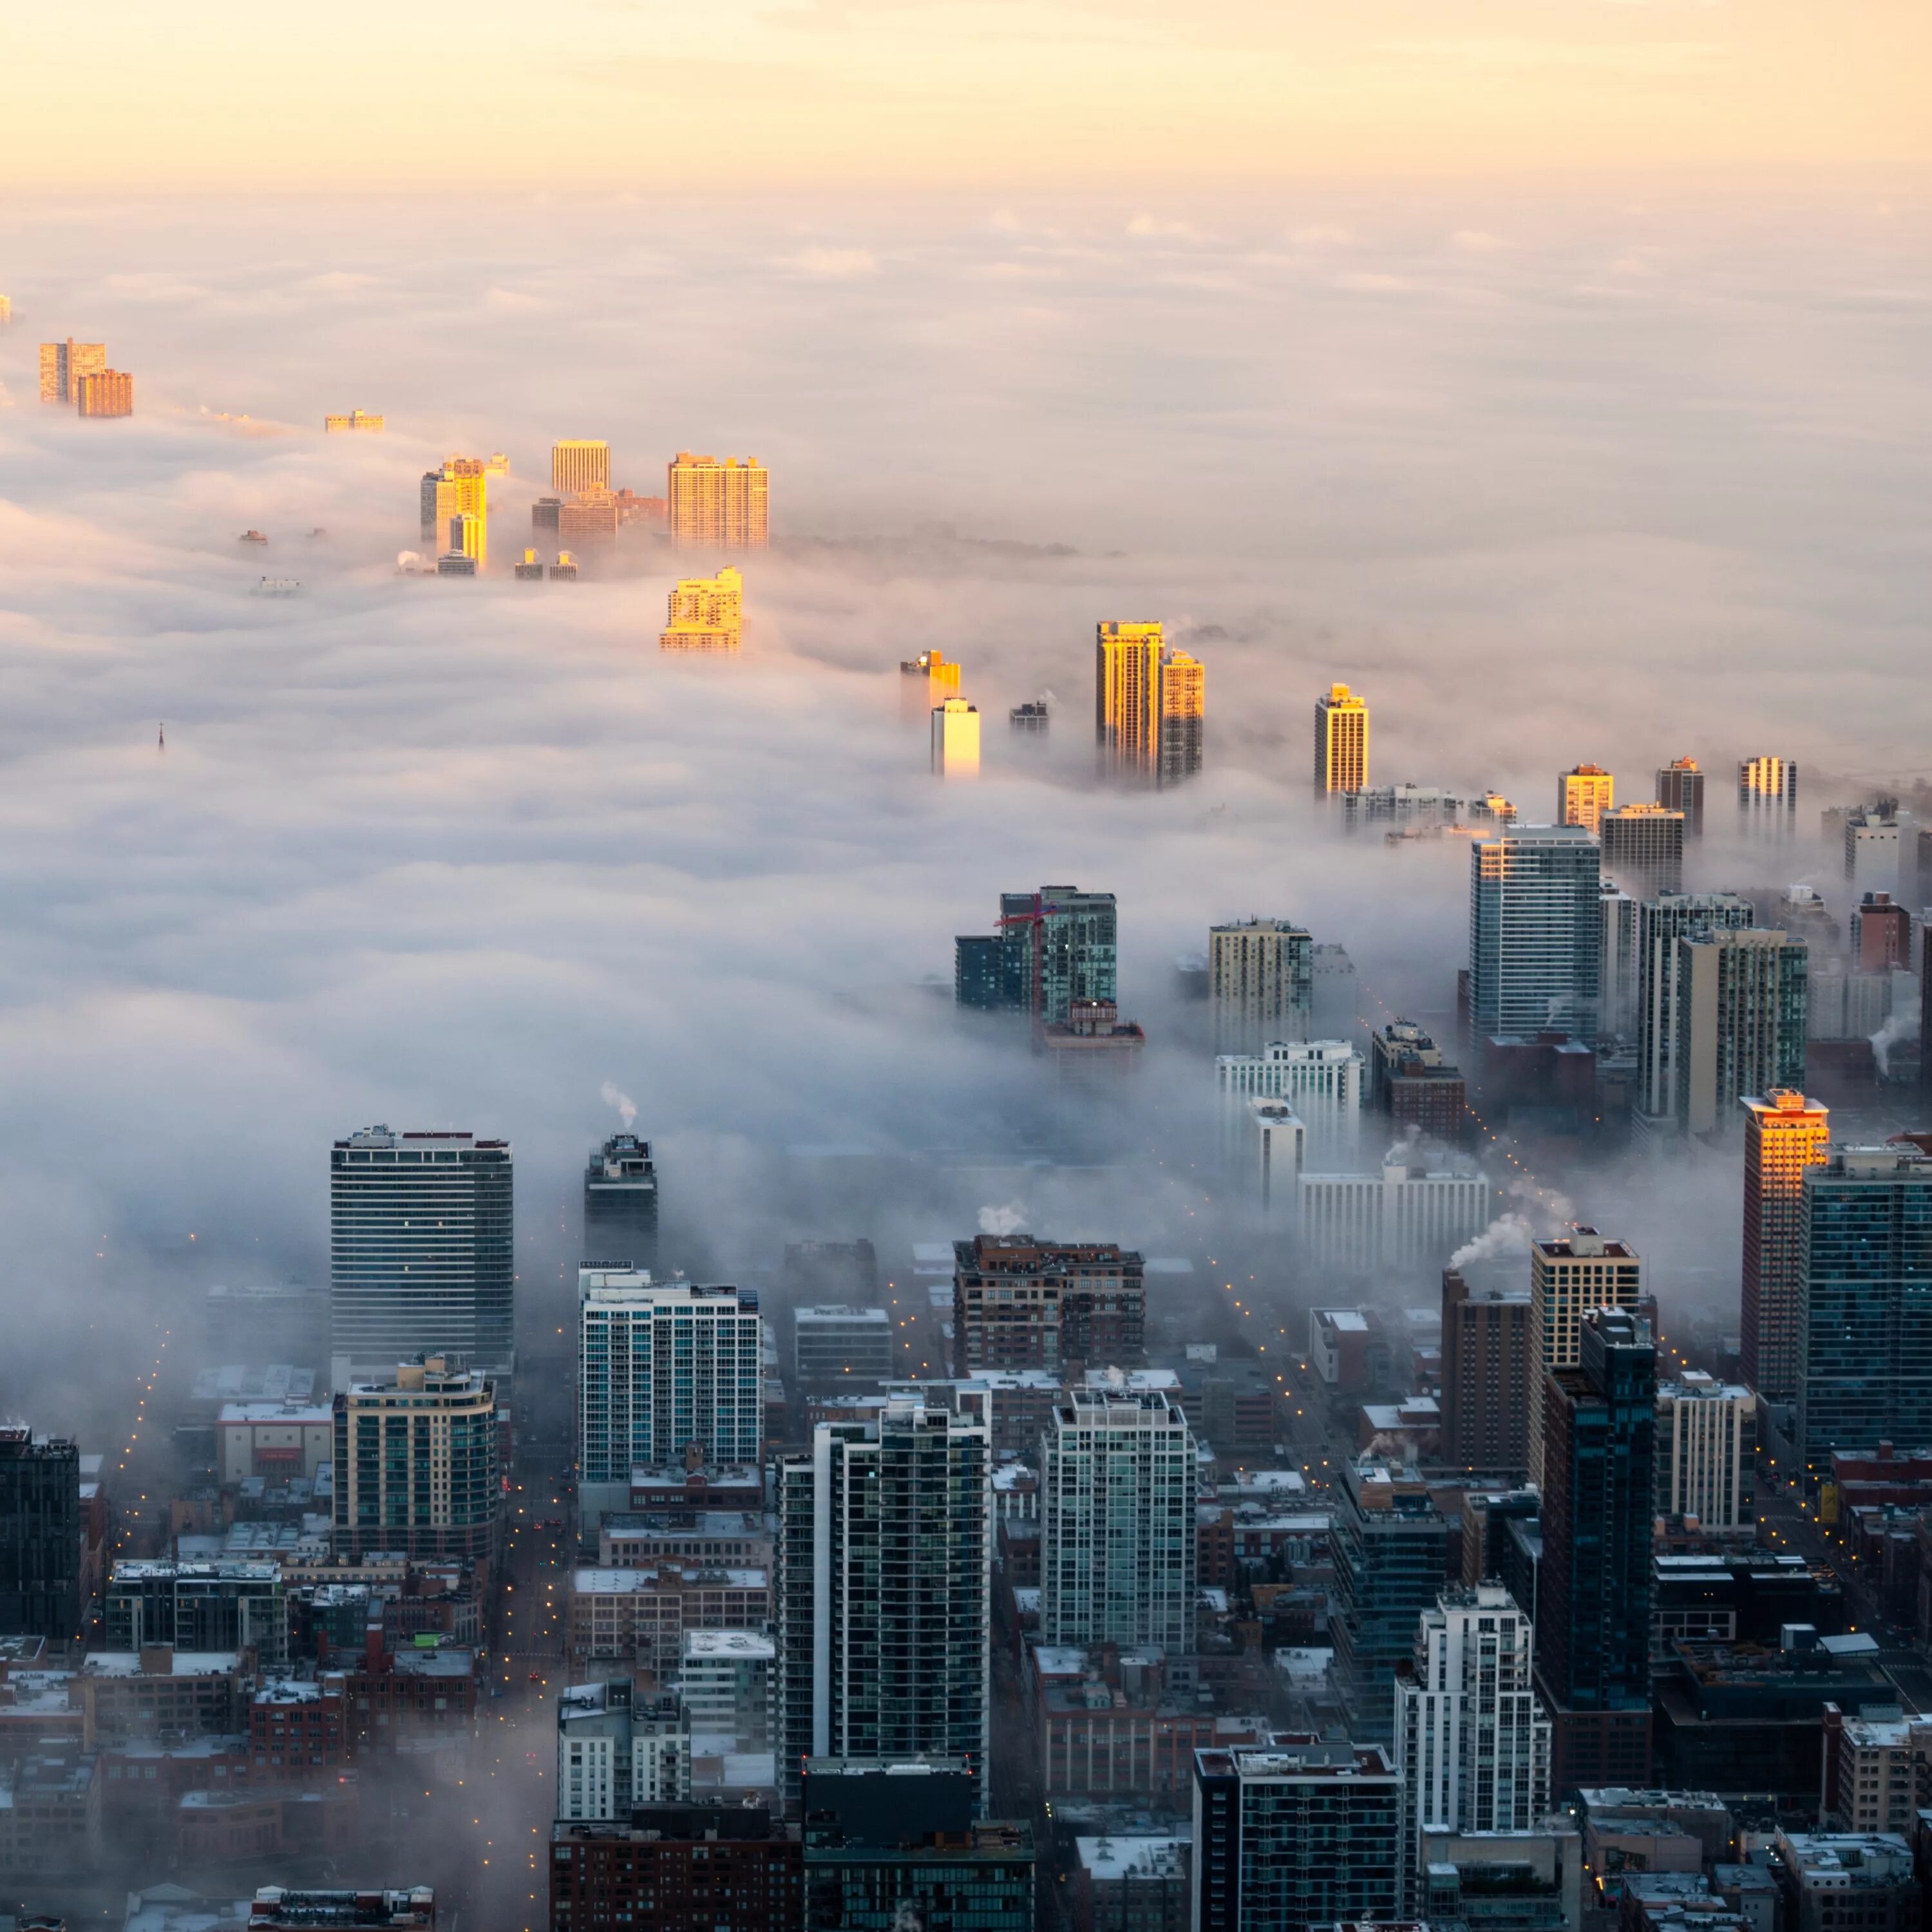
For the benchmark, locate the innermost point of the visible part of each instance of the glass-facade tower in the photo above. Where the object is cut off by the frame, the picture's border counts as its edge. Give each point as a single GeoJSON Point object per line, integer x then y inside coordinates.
{"type": "Point", "coordinates": [1535, 932]}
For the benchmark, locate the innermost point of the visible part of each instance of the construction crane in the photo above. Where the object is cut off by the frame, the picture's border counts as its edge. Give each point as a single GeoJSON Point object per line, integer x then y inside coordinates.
{"type": "Point", "coordinates": [1037, 918]}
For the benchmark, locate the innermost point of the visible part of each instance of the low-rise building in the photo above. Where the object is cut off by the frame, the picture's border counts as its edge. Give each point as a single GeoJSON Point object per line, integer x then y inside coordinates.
{"type": "Point", "coordinates": [725, 1678]}
{"type": "Point", "coordinates": [50, 1814]}
{"type": "Point", "coordinates": [724, 1867]}
{"type": "Point", "coordinates": [640, 1616]}
{"type": "Point", "coordinates": [298, 1728]}
{"type": "Point", "coordinates": [277, 1905]}
{"type": "Point", "coordinates": [615, 1750]}
{"type": "Point", "coordinates": [1850, 1881]}
{"type": "Point", "coordinates": [1131, 1884]}
{"type": "Point", "coordinates": [1870, 1780]}
{"type": "Point", "coordinates": [161, 1692]}
{"type": "Point", "coordinates": [838, 1347]}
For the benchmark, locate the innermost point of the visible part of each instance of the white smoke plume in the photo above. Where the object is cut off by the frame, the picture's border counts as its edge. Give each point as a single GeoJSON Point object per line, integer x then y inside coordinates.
{"type": "Point", "coordinates": [626, 1107]}
{"type": "Point", "coordinates": [1007, 1220]}
{"type": "Point", "coordinates": [1507, 1234]}
{"type": "Point", "coordinates": [1902, 1025]}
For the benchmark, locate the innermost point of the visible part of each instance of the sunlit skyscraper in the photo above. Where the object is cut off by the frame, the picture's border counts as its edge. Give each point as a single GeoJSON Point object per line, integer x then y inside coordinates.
{"type": "Point", "coordinates": [354, 422]}
{"type": "Point", "coordinates": [955, 739]}
{"type": "Point", "coordinates": [1680, 787]}
{"type": "Point", "coordinates": [1126, 693]}
{"type": "Point", "coordinates": [705, 614]}
{"type": "Point", "coordinates": [105, 392]}
{"type": "Point", "coordinates": [62, 365]}
{"type": "Point", "coordinates": [1184, 711]}
{"type": "Point", "coordinates": [1768, 793]}
{"type": "Point", "coordinates": [459, 489]}
{"type": "Point", "coordinates": [716, 505]}
{"type": "Point", "coordinates": [1784, 1134]}
{"type": "Point", "coordinates": [576, 467]}
{"type": "Point", "coordinates": [1583, 794]}
{"type": "Point", "coordinates": [1341, 741]}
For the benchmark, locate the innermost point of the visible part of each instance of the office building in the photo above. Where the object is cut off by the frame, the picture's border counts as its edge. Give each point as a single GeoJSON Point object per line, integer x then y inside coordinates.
{"type": "Point", "coordinates": [705, 614]}
{"type": "Point", "coordinates": [1471, 1742]}
{"type": "Point", "coordinates": [1583, 794]}
{"type": "Point", "coordinates": [1298, 1836]}
{"type": "Point", "coordinates": [530, 570]}
{"type": "Point", "coordinates": [461, 488]}
{"type": "Point", "coordinates": [1834, 1881]}
{"type": "Point", "coordinates": [1126, 694]}
{"type": "Point", "coordinates": [620, 1205]}
{"type": "Point", "coordinates": [64, 364]}
{"type": "Point", "coordinates": [884, 1590]}
{"type": "Point", "coordinates": [853, 1349]}
{"type": "Point", "coordinates": [1277, 1147]}
{"type": "Point", "coordinates": [693, 1868]}
{"type": "Point", "coordinates": [1642, 849]}
{"type": "Point", "coordinates": [1341, 741]}
{"type": "Point", "coordinates": [637, 1617]}
{"type": "Point", "coordinates": [1419, 810]}
{"type": "Point", "coordinates": [1390, 1545]}
{"type": "Point", "coordinates": [1618, 978]}
{"type": "Point", "coordinates": [1260, 981]}
{"type": "Point", "coordinates": [1022, 1303]}
{"type": "Point", "coordinates": [578, 469]}
{"type": "Point", "coordinates": [664, 1370]}
{"type": "Point", "coordinates": [714, 505]}
{"type": "Point", "coordinates": [357, 421]}
{"type": "Point", "coordinates": [416, 1462]}
{"type": "Point", "coordinates": [955, 739]}
{"type": "Point", "coordinates": [546, 515]}
{"type": "Point", "coordinates": [1661, 923]}
{"type": "Point", "coordinates": [1741, 1007]}
{"type": "Point", "coordinates": [1876, 840]}
{"type": "Point", "coordinates": [616, 1751]}
{"type": "Point", "coordinates": [590, 519]}
{"type": "Point", "coordinates": [40, 1536]}
{"type": "Point", "coordinates": [725, 1680]}
{"type": "Point", "coordinates": [1871, 1774]}
{"type": "Point", "coordinates": [1864, 1339]}
{"type": "Point", "coordinates": [1486, 1377]}
{"type": "Point", "coordinates": [1321, 1079]}
{"type": "Point", "coordinates": [1535, 932]}
{"type": "Point", "coordinates": [1881, 935]}
{"type": "Point", "coordinates": [465, 539]}
{"type": "Point", "coordinates": [1784, 1134]}
{"type": "Point", "coordinates": [1768, 793]}
{"type": "Point", "coordinates": [925, 681]}
{"type": "Point", "coordinates": [1411, 1084]}
{"type": "Point", "coordinates": [421, 1262]}
{"type": "Point", "coordinates": [1117, 1548]}
{"type": "Point", "coordinates": [1184, 712]}
{"type": "Point", "coordinates": [1049, 948]}
{"type": "Point", "coordinates": [1680, 788]}
{"type": "Point", "coordinates": [1706, 1454]}
{"type": "Point", "coordinates": [1031, 720]}
{"type": "Point", "coordinates": [105, 392]}
{"type": "Point", "coordinates": [1581, 1270]}
{"type": "Point", "coordinates": [227, 1607]}
{"type": "Point", "coordinates": [1408, 1218]}
{"type": "Point", "coordinates": [1593, 1614]}
{"type": "Point", "coordinates": [564, 571]}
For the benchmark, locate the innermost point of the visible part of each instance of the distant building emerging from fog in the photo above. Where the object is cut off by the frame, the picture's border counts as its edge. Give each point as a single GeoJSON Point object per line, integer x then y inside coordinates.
{"type": "Point", "coordinates": [1095, 1048]}
{"type": "Point", "coordinates": [1150, 703]}
{"type": "Point", "coordinates": [1321, 1079]}
{"type": "Point", "coordinates": [1184, 712]}
{"type": "Point", "coordinates": [355, 422]}
{"type": "Point", "coordinates": [1680, 787]}
{"type": "Point", "coordinates": [1741, 1023]}
{"type": "Point", "coordinates": [1784, 1134]}
{"type": "Point", "coordinates": [1583, 794]}
{"type": "Point", "coordinates": [706, 613]}
{"type": "Point", "coordinates": [1535, 932]}
{"type": "Point", "coordinates": [1022, 1303]}
{"type": "Point", "coordinates": [1567, 1276]}
{"type": "Point", "coordinates": [106, 392]}
{"type": "Point", "coordinates": [714, 505]}
{"type": "Point", "coordinates": [1029, 720]}
{"type": "Point", "coordinates": [578, 467]}
{"type": "Point", "coordinates": [955, 739]}
{"type": "Point", "coordinates": [1049, 948]}
{"type": "Point", "coordinates": [1410, 807]}
{"type": "Point", "coordinates": [620, 1205]}
{"type": "Point", "coordinates": [40, 1536]}
{"type": "Point", "coordinates": [64, 364]}
{"type": "Point", "coordinates": [459, 489]}
{"type": "Point", "coordinates": [1341, 741]}
{"type": "Point", "coordinates": [1410, 1082]}
{"type": "Point", "coordinates": [1643, 849]}
{"type": "Point", "coordinates": [1423, 1204]}
{"type": "Point", "coordinates": [1260, 978]}
{"type": "Point", "coordinates": [1661, 922]}
{"type": "Point", "coordinates": [1768, 793]}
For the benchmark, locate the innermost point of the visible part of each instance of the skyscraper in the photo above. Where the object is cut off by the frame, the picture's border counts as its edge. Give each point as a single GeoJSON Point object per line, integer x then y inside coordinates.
{"type": "Point", "coordinates": [1321, 1079]}
{"type": "Point", "coordinates": [1022, 1303]}
{"type": "Point", "coordinates": [1881, 934]}
{"type": "Point", "coordinates": [620, 1205]}
{"type": "Point", "coordinates": [420, 1252]}
{"type": "Point", "coordinates": [1619, 978]}
{"type": "Point", "coordinates": [1706, 1455]}
{"type": "Point", "coordinates": [1341, 741]}
{"type": "Point", "coordinates": [1118, 1480]}
{"type": "Point", "coordinates": [461, 488]}
{"type": "Point", "coordinates": [1864, 1336]}
{"type": "Point", "coordinates": [63, 365]}
{"type": "Point", "coordinates": [1680, 787]}
{"type": "Point", "coordinates": [1768, 793]}
{"type": "Point", "coordinates": [955, 739]}
{"type": "Point", "coordinates": [40, 1536]}
{"type": "Point", "coordinates": [705, 614]}
{"type": "Point", "coordinates": [1643, 849]}
{"type": "Point", "coordinates": [1127, 695]}
{"type": "Point", "coordinates": [884, 1582]}
{"type": "Point", "coordinates": [1261, 979]}
{"type": "Point", "coordinates": [1488, 1372]}
{"type": "Point", "coordinates": [1876, 842]}
{"type": "Point", "coordinates": [714, 505]}
{"type": "Point", "coordinates": [1583, 794]}
{"type": "Point", "coordinates": [577, 467]}
{"type": "Point", "coordinates": [1741, 1022]}
{"type": "Point", "coordinates": [1593, 1611]}
{"type": "Point", "coordinates": [1568, 1276]}
{"type": "Point", "coordinates": [1784, 1134]}
{"type": "Point", "coordinates": [1535, 932]}
{"type": "Point", "coordinates": [1471, 1742]}
{"type": "Point", "coordinates": [1183, 712]}
{"type": "Point", "coordinates": [105, 392]}
{"type": "Point", "coordinates": [355, 422]}
{"type": "Point", "coordinates": [1661, 922]}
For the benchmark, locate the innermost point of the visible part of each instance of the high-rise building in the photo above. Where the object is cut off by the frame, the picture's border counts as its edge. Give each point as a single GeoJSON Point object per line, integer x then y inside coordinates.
{"type": "Point", "coordinates": [64, 364]}
{"type": "Point", "coordinates": [1277, 1141]}
{"type": "Point", "coordinates": [1029, 720]}
{"type": "Point", "coordinates": [835, 1347]}
{"type": "Point", "coordinates": [1864, 1336]}
{"type": "Point", "coordinates": [466, 537]}
{"type": "Point", "coordinates": [714, 505]}
{"type": "Point", "coordinates": [1642, 849]}
{"type": "Point", "coordinates": [1661, 922]}
{"type": "Point", "coordinates": [40, 1536]}
{"type": "Point", "coordinates": [105, 392]}
{"type": "Point", "coordinates": [1581, 1270]}
{"type": "Point", "coordinates": [1706, 1454]}
{"type": "Point", "coordinates": [1784, 1134]}
{"type": "Point", "coordinates": [1406, 1218]}
{"type": "Point", "coordinates": [620, 1205]}
{"type": "Point", "coordinates": [1299, 1836]}
{"type": "Point", "coordinates": [1535, 932]}
{"type": "Point", "coordinates": [924, 681]}
{"type": "Point", "coordinates": [1261, 981]}
{"type": "Point", "coordinates": [1584, 793]}
{"type": "Point", "coordinates": [884, 1589]}
{"type": "Point", "coordinates": [1593, 1609]}
{"type": "Point", "coordinates": [1390, 1548]}
{"type": "Point", "coordinates": [1184, 712]}
{"type": "Point", "coordinates": [1321, 1079]}
{"type": "Point", "coordinates": [420, 1250]}
{"type": "Point", "coordinates": [1118, 1479]}
{"type": "Point", "coordinates": [1876, 840]}
{"type": "Point", "coordinates": [1410, 1081]}
{"type": "Point", "coordinates": [1052, 947]}
{"type": "Point", "coordinates": [1618, 980]}
{"type": "Point", "coordinates": [530, 570]}
{"type": "Point", "coordinates": [1768, 793]}
{"type": "Point", "coordinates": [416, 1462]}
{"type": "Point", "coordinates": [461, 488]}
{"type": "Point", "coordinates": [1471, 1742]}
{"type": "Point", "coordinates": [356, 421]}
{"type": "Point", "coordinates": [664, 1369]}
{"type": "Point", "coordinates": [1341, 741]}
{"type": "Point", "coordinates": [589, 518]}
{"type": "Point", "coordinates": [1881, 935]}
{"type": "Point", "coordinates": [1741, 1022]}
{"type": "Point", "coordinates": [1127, 694]}
{"type": "Point", "coordinates": [1486, 1377]}
{"type": "Point", "coordinates": [1022, 1303]}
{"type": "Point", "coordinates": [6, 311]}
{"type": "Point", "coordinates": [616, 1751]}
{"type": "Point", "coordinates": [955, 739]}
{"type": "Point", "coordinates": [1680, 787]}
{"type": "Point", "coordinates": [577, 468]}
{"type": "Point", "coordinates": [705, 614]}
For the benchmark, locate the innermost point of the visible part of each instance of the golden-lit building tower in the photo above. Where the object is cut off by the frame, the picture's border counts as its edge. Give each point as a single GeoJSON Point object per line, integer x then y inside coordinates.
{"type": "Point", "coordinates": [1126, 694]}
{"type": "Point", "coordinates": [63, 365]}
{"type": "Point", "coordinates": [105, 392]}
{"type": "Point", "coordinates": [1583, 794]}
{"type": "Point", "coordinates": [706, 613]}
{"type": "Point", "coordinates": [6, 310]}
{"type": "Point", "coordinates": [576, 467]}
{"type": "Point", "coordinates": [465, 536]}
{"type": "Point", "coordinates": [1183, 712]}
{"type": "Point", "coordinates": [1768, 794]}
{"type": "Point", "coordinates": [355, 422]}
{"type": "Point", "coordinates": [1568, 1277]}
{"type": "Point", "coordinates": [459, 489]}
{"type": "Point", "coordinates": [955, 739]}
{"type": "Point", "coordinates": [1784, 1134]}
{"type": "Point", "coordinates": [714, 505]}
{"type": "Point", "coordinates": [1341, 741]}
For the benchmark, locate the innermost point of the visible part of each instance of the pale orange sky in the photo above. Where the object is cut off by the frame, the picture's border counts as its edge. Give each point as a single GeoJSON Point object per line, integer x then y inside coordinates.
{"type": "Point", "coordinates": [766, 93]}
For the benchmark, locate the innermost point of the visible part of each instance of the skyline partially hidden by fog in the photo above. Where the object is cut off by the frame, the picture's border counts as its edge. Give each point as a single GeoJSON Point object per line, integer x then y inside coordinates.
{"type": "Point", "coordinates": [1547, 486]}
